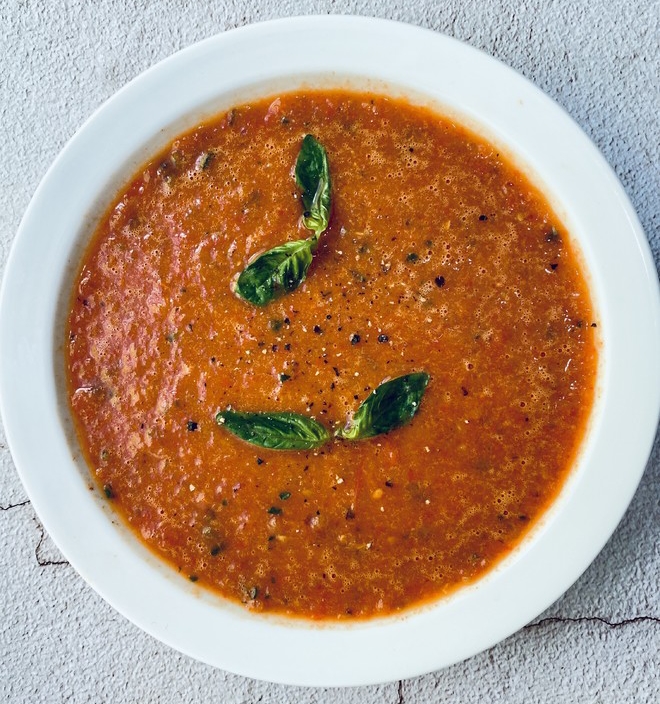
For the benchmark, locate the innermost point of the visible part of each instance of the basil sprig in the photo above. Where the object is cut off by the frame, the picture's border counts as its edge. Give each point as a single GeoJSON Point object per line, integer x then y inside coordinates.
{"type": "Point", "coordinates": [276, 431]}
{"type": "Point", "coordinates": [283, 268]}
{"type": "Point", "coordinates": [389, 406]}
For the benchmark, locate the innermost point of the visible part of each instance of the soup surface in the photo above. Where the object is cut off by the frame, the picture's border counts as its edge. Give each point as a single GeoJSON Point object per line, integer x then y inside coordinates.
{"type": "Point", "coordinates": [440, 257]}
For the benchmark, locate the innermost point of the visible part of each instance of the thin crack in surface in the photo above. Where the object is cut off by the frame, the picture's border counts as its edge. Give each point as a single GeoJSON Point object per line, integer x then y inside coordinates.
{"type": "Point", "coordinates": [40, 561]}
{"type": "Point", "coordinates": [9, 507]}
{"type": "Point", "coordinates": [400, 700]}
{"type": "Point", "coordinates": [594, 619]}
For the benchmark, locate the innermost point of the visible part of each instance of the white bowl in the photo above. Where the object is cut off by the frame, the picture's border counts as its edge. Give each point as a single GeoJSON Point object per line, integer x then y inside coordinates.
{"type": "Point", "coordinates": [261, 60]}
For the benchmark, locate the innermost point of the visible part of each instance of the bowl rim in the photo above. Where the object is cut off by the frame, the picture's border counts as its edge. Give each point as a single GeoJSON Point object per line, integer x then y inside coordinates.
{"type": "Point", "coordinates": [207, 77]}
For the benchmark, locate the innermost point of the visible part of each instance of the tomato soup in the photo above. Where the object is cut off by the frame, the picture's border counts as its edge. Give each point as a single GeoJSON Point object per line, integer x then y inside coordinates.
{"type": "Point", "coordinates": [439, 257]}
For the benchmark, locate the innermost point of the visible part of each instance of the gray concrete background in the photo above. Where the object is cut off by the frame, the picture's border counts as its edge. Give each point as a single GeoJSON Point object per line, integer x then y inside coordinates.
{"type": "Point", "coordinates": [59, 642]}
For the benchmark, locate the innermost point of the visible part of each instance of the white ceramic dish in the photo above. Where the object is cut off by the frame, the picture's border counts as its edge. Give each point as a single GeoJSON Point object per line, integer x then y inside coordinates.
{"type": "Point", "coordinates": [261, 60]}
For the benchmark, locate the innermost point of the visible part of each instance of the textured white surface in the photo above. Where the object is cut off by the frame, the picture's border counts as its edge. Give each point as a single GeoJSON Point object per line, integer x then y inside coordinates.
{"type": "Point", "coordinates": [59, 642]}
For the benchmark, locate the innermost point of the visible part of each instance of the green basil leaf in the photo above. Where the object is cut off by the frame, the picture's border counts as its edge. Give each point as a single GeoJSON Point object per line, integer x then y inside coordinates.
{"type": "Point", "coordinates": [387, 407]}
{"type": "Point", "coordinates": [276, 272]}
{"type": "Point", "coordinates": [313, 179]}
{"type": "Point", "coordinates": [276, 431]}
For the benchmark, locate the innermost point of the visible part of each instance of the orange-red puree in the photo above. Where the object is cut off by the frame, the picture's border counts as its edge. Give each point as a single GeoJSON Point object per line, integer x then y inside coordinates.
{"type": "Point", "coordinates": [440, 257]}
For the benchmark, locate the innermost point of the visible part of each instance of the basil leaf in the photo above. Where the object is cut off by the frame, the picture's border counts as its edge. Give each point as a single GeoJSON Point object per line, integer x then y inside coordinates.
{"type": "Point", "coordinates": [313, 179]}
{"type": "Point", "coordinates": [276, 431]}
{"type": "Point", "coordinates": [387, 407]}
{"type": "Point", "coordinates": [276, 272]}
